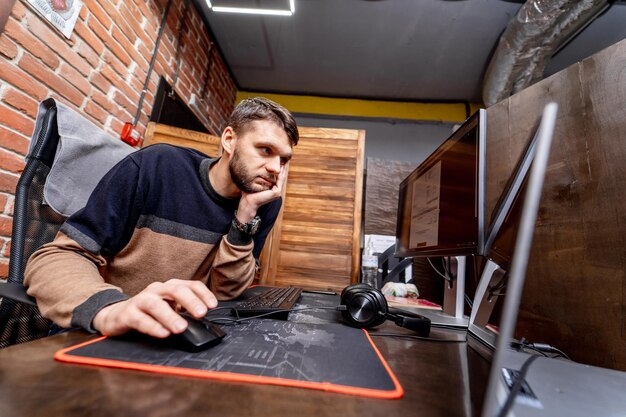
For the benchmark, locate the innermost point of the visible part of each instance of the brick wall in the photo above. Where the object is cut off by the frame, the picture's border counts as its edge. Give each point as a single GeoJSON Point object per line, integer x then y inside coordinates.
{"type": "Point", "coordinates": [100, 71]}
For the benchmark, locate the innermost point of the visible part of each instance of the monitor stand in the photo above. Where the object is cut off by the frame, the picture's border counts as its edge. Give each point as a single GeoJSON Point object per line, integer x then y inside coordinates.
{"type": "Point", "coordinates": [452, 315]}
{"type": "Point", "coordinates": [487, 293]}
{"type": "Point", "coordinates": [454, 292]}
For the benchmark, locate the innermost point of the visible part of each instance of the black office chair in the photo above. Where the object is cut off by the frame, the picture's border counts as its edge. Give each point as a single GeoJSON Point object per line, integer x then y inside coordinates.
{"type": "Point", "coordinates": [34, 224]}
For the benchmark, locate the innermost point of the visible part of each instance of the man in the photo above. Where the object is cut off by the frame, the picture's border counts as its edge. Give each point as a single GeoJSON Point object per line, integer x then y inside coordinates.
{"type": "Point", "coordinates": [168, 229]}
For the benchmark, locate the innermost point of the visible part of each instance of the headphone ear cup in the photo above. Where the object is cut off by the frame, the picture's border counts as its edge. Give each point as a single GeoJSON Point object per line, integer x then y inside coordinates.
{"type": "Point", "coordinates": [366, 307]}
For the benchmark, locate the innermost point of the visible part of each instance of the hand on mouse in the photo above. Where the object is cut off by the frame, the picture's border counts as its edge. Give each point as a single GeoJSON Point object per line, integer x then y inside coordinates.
{"type": "Point", "coordinates": [153, 310]}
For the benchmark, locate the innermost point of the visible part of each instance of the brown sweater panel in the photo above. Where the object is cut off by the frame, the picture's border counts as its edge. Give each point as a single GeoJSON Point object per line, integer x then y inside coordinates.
{"type": "Point", "coordinates": [62, 275]}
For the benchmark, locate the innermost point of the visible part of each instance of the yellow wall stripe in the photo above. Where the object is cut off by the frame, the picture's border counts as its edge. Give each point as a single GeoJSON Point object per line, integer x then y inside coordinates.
{"type": "Point", "coordinates": [442, 112]}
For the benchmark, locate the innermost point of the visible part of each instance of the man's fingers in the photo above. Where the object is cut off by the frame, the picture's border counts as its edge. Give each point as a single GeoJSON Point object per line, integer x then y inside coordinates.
{"type": "Point", "coordinates": [153, 311]}
{"type": "Point", "coordinates": [145, 323]}
{"type": "Point", "coordinates": [194, 297]}
{"type": "Point", "coordinates": [161, 311]}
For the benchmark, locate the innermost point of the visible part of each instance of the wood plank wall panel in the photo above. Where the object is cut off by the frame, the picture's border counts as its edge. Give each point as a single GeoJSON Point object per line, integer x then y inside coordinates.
{"type": "Point", "coordinates": [575, 292]}
{"type": "Point", "coordinates": [160, 133]}
{"type": "Point", "coordinates": [320, 225]}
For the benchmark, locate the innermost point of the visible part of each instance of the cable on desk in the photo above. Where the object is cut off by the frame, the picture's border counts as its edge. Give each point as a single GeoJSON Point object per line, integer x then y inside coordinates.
{"type": "Point", "coordinates": [412, 336]}
{"type": "Point", "coordinates": [542, 348]}
{"type": "Point", "coordinates": [517, 386]}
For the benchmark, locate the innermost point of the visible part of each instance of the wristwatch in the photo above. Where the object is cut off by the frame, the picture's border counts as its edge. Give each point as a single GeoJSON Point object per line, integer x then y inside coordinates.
{"type": "Point", "coordinates": [250, 228]}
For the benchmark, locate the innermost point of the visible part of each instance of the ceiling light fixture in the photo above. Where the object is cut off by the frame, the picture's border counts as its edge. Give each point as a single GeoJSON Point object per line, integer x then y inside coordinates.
{"type": "Point", "coordinates": [250, 10]}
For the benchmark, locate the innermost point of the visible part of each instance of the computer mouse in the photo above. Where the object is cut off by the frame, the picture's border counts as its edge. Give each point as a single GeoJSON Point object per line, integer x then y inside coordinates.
{"type": "Point", "coordinates": [199, 335]}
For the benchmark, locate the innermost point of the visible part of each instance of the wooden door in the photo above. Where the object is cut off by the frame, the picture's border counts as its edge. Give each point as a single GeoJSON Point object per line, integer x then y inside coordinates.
{"type": "Point", "coordinates": [316, 240]}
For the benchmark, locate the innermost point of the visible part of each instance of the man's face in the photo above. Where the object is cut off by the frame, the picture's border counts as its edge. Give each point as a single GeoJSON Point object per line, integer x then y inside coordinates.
{"type": "Point", "coordinates": [258, 155]}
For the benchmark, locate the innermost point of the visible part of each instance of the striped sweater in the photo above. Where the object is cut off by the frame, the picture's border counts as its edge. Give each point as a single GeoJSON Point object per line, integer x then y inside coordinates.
{"type": "Point", "coordinates": [153, 217]}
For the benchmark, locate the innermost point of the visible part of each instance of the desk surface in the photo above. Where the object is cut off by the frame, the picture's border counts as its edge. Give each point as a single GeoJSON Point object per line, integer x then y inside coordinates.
{"type": "Point", "coordinates": [434, 377]}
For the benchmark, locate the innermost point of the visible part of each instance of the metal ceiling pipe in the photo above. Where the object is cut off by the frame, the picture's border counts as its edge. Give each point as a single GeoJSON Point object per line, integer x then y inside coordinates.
{"type": "Point", "coordinates": [529, 41]}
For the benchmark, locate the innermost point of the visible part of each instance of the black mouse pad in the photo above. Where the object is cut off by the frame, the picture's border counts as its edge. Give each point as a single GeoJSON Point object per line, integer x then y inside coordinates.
{"type": "Point", "coordinates": [324, 356]}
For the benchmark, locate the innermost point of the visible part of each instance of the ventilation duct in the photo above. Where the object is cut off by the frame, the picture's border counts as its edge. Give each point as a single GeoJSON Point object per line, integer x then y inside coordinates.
{"type": "Point", "coordinates": [529, 41]}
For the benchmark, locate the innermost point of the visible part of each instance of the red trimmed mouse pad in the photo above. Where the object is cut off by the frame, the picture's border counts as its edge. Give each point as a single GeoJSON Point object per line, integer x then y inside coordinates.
{"type": "Point", "coordinates": [329, 357]}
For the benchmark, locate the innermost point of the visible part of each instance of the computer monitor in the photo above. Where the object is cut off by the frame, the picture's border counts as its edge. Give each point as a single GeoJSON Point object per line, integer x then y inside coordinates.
{"type": "Point", "coordinates": [441, 207]}
{"type": "Point", "coordinates": [498, 251]}
{"type": "Point", "coordinates": [441, 203]}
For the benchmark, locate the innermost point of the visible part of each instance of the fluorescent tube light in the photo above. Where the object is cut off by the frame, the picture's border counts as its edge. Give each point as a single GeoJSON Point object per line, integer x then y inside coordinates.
{"type": "Point", "coordinates": [250, 10]}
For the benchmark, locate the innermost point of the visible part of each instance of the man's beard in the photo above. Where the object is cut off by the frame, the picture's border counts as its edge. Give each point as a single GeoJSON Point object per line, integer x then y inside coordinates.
{"type": "Point", "coordinates": [242, 178]}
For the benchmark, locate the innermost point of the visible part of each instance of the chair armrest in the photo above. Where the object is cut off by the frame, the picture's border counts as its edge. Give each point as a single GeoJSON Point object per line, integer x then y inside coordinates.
{"type": "Point", "coordinates": [16, 292]}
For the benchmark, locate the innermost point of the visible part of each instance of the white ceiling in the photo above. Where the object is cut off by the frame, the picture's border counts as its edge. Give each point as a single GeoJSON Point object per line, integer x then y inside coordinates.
{"type": "Point", "coordinates": [413, 50]}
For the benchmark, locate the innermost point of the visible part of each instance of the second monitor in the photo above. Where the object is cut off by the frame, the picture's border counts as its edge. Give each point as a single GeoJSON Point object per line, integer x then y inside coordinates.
{"type": "Point", "coordinates": [441, 206]}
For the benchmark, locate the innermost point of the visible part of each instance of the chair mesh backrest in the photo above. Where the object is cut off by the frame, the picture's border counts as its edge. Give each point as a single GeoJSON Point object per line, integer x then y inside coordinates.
{"type": "Point", "coordinates": [34, 224]}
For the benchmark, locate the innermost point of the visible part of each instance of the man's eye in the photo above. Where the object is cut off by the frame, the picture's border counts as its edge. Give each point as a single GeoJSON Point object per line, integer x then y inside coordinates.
{"type": "Point", "coordinates": [266, 150]}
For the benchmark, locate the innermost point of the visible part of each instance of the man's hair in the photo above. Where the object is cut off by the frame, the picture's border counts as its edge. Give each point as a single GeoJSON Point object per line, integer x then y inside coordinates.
{"type": "Point", "coordinates": [260, 108]}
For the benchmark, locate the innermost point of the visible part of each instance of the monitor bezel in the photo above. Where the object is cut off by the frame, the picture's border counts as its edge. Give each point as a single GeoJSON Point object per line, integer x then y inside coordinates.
{"type": "Point", "coordinates": [479, 120]}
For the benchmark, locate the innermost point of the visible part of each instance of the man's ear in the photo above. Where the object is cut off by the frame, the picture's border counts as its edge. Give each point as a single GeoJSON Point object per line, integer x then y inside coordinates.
{"type": "Point", "coordinates": [229, 138]}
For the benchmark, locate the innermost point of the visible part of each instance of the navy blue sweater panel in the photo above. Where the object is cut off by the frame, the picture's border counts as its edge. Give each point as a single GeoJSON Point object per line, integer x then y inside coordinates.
{"type": "Point", "coordinates": [165, 188]}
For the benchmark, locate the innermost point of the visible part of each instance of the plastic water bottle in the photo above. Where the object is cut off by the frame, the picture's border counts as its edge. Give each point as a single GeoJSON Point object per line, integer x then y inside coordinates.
{"type": "Point", "coordinates": [369, 265]}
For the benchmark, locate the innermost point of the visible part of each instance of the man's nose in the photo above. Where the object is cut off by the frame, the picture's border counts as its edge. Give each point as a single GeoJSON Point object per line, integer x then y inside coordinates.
{"type": "Point", "coordinates": [273, 165]}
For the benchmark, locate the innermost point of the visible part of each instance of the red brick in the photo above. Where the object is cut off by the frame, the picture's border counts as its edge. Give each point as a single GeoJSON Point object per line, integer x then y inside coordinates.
{"type": "Point", "coordinates": [56, 83]}
{"type": "Point", "coordinates": [86, 34]}
{"type": "Point", "coordinates": [8, 48]}
{"type": "Point", "coordinates": [59, 44]}
{"type": "Point", "coordinates": [16, 120]}
{"type": "Point", "coordinates": [101, 32]}
{"type": "Point", "coordinates": [9, 210]}
{"type": "Point", "coordinates": [111, 75]}
{"type": "Point", "coordinates": [143, 50]}
{"type": "Point", "coordinates": [128, 47]}
{"type": "Point", "coordinates": [86, 51]}
{"type": "Point", "coordinates": [100, 98]}
{"type": "Point", "coordinates": [124, 45]}
{"type": "Point", "coordinates": [139, 74]}
{"type": "Point", "coordinates": [96, 112]}
{"type": "Point", "coordinates": [116, 127]}
{"type": "Point", "coordinates": [136, 84]}
{"type": "Point", "coordinates": [19, 10]}
{"type": "Point", "coordinates": [7, 249]}
{"type": "Point", "coordinates": [26, 39]}
{"type": "Point", "coordinates": [133, 21]}
{"type": "Point", "coordinates": [84, 13]}
{"type": "Point", "coordinates": [13, 141]}
{"type": "Point", "coordinates": [99, 13]}
{"type": "Point", "coordinates": [122, 22]}
{"type": "Point", "coordinates": [75, 78]}
{"type": "Point", "coordinates": [123, 101]}
{"type": "Point", "coordinates": [113, 62]}
{"type": "Point", "coordinates": [100, 82]}
{"type": "Point", "coordinates": [4, 269]}
{"type": "Point", "coordinates": [11, 162]}
{"type": "Point", "coordinates": [21, 101]}
{"type": "Point", "coordinates": [130, 93]}
{"type": "Point", "coordinates": [8, 182]}
{"type": "Point", "coordinates": [6, 224]}
{"type": "Point", "coordinates": [3, 202]}
{"type": "Point", "coordinates": [146, 11]}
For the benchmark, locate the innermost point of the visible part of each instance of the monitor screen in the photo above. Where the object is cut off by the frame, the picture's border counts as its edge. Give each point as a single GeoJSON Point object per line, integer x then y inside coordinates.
{"type": "Point", "coordinates": [441, 203]}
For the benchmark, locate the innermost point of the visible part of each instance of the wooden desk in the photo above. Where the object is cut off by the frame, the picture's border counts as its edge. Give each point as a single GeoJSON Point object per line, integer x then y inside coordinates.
{"type": "Point", "coordinates": [34, 384]}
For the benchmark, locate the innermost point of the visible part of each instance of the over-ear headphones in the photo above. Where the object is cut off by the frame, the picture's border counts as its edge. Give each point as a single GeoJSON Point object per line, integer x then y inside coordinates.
{"type": "Point", "coordinates": [366, 307]}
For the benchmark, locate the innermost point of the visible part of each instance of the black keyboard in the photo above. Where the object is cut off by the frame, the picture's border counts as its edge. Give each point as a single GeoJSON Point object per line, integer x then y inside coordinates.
{"type": "Point", "coordinates": [273, 300]}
